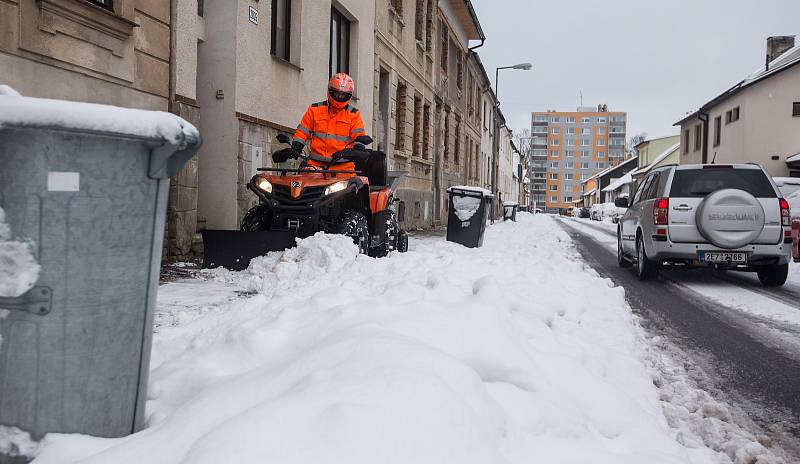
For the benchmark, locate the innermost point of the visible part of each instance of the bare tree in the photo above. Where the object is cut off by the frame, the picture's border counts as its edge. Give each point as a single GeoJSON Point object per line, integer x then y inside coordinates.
{"type": "Point", "coordinates": [522, 139]}
{"type": "Point", "coordinates": [636, 140]}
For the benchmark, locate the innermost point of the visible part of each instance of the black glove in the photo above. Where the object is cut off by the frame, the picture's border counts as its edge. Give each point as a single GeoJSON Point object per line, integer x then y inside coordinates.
{"type": "Point", "coordinates": [359, 146]}
{"type": "Point", "coordinates": [281, 156]}
{"type": "Point", "coordinates": [298, 146]}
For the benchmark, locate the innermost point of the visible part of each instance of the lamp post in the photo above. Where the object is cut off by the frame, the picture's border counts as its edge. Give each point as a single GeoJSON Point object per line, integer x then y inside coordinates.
{"type": "Point", "coordinates": [496, 143]}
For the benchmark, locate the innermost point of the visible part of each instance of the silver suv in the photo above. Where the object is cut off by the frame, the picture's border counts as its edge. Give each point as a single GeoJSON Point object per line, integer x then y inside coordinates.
{"type": "Point", "coordinates": [723, 216]}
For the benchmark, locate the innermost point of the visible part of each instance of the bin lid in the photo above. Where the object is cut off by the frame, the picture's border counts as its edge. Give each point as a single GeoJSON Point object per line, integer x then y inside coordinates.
{"type": "Point", "coordinates": [510, 203]}
{"type": "Point", "coordinates": [469, 188]}
{"type": "Point", "coordinates": [27, 112]}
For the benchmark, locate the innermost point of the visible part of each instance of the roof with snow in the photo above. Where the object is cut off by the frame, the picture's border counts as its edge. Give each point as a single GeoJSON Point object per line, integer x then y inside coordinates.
{"type": "Point", "coordinates": [589, 193]}
{"type": "Point", "coordinates": [609, 169]}
{"type": "Point", "coordinates": [785, 61]}
{"type": "Point", "coordinates": [619, 183]}
{"type": "Point", "coordinates": [658, 159]}
{"type": "Point", "coordinates": [793, 158]}
{"type": "Point", "coordinates": [26, 112]}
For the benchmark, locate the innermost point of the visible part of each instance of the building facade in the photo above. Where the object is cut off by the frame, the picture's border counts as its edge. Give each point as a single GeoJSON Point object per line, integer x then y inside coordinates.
{"type": "Point", "coordinates": [248, 94]}
{"type": "Point", "coordinates": [457, 25]}
{"type": "Point", "coordinates": [756, 120]}
{"type": "Point", "coordinates": [405, 47]}
{"type": "Point", "coordinates": [578, 145]}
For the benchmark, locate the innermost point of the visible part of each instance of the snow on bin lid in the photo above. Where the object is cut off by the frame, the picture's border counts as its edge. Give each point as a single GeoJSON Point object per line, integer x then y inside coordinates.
{"type": "Point", "coordinates": [469, 188]}
{"type": "Point", "coordinates": [18, 111]}
{"type": "Point", "coordinates": [510, 203]}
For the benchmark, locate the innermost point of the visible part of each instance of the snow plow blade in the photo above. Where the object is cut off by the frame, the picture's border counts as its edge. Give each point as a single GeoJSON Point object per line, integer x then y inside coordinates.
{"type": "Point", "coordinates": [233, 249]}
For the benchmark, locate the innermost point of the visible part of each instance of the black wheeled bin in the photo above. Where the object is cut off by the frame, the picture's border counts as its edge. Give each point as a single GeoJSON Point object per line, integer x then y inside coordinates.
{"type": "Point", "coordinates": [510, 210]}
{"type": "Point", "coordinates": [468, 212]}
{"type": "Point", "coordinates": [85, 187]}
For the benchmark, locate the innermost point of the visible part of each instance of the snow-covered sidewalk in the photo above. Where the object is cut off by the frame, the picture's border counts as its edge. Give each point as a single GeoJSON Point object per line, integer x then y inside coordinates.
{"type": "Point", "coordinates": [440, 355]}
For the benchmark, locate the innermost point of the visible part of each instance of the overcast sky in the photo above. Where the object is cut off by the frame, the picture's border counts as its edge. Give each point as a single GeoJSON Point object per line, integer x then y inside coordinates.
{"type": "Point", "coordinates": [654, 59]}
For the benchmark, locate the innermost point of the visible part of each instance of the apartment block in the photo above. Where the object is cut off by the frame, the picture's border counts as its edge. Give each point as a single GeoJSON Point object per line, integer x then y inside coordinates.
{"type": "Point", "coordinates": [576, 145]}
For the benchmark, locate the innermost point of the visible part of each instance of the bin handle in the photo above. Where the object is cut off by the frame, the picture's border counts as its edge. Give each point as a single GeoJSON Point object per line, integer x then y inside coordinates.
{"type": "Point", "coordinates": [168, 159]}
{"type": "Point", "coordinates": [37, 300]}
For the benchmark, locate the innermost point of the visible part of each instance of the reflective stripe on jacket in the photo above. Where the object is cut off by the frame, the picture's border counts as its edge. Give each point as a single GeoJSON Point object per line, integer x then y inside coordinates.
{"type": "Point", "coordinates": [329, 129]}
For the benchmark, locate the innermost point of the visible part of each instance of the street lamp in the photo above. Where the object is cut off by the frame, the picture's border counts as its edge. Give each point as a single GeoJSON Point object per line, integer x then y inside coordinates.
{"type": "Point", "coordinates": [496, 144]}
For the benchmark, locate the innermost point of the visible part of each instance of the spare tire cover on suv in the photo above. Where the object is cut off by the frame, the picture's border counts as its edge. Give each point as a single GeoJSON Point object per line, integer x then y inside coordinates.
{"type": "Point", "coordinates": [730, 218]}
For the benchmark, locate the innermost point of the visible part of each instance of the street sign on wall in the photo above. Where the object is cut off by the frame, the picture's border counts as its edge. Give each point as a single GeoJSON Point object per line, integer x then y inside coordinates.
{"type": "Point", "coordinates": [253, 15]}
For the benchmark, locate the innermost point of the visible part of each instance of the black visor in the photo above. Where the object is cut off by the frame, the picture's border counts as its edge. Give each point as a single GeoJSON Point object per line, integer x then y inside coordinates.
{"type": "Point", "coordinates": [340, 96]}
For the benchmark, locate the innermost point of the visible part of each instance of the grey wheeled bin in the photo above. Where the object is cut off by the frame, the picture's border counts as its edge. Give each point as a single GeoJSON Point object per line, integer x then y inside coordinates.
{"type": "Point", "coordinates": [510, 210]}
{"type": "Point", "coordinates": [467, 215]}
{"type": "Point", "coordinates": [86, 186]}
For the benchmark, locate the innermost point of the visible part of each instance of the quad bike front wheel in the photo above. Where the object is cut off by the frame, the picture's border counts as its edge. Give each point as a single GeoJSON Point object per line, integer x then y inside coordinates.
{"type": "Point", "coordinates": [354, 225]}
{"type": "Point", "coordinates": [255, 220]}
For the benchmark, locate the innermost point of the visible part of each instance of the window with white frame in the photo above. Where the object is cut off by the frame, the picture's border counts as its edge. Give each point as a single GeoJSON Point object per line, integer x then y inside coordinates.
{"type": "Point", "coordinates": [584, 176]}
{"type": "Point", "coordinates": [615, 154]}
{"type": "Point", "coordinates": [618, 118]}
{"type": "Point", "coordinates": [555, 130]}
{"type": "Point", "coordinates": [586, 131]}
{"type": "Point", "coordinates": [555, 119]}
{"type": "Point", "coordinates": [570, 119]}
{"type": "Point", "coordinates": [570, 153]}
{"type": "Point", "coordinates": [616, 130]}
{"type": "Point", "coordinates": [540, 140]}
{"type": "Point", "coordinates": [601, 131]}
{"type": "Point", "coordinates": [600, 154]}
{"type": "Point", "coordinates": [554, 188]}
{"type": "Point", "coordinates": [539, 129]}
{"type": "Point", "coordinates": [584, 165]}
{"type": "Point", "coordinates": [601, 165]}
{"type": "Point", "coordinates": [601, 142]}
{"type": "Point", "coordinates": [586, 120]}
{"type": "Point", "coordinates": [554, 164]}
{"type": "Point", "coordinates": [602, 120]}
{"type": "Point", "coordinates": [586, 142]}
{"type": "Point", "coordinates": [570, 142]}
{"type": "Point", "coordinates": [554, 143]}
{"type": "Point", "coordinates": [553, 176]}
{"type": "Point", "coordinates": [570, 130]}
{"type": "Point", "coordinates": [570, 165]}
{"type": "Point", "coordinates": [569, 176]}
{"type": "Point", "coordinates": [585, 154]}
{"type": "Point", "coordinates": [540, 118]}
{"type": "Point", "coordinates": [568, 199]}
{"type": "Point", "coordinates": [539, 152]}
{"type": "Point", "coordinates": [555, 153]}
{"type": "Point", "coordinates": [616, 142]}
{"type": "Point", "coordinates": [554, 199]}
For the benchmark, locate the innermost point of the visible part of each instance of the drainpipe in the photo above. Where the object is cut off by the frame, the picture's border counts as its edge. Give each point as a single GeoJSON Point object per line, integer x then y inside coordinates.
{"type": "Point", "coordinates": [172, 34]}
{"type": "Point", "coordinates": [703, 116]}
{"type": "Point", "coordinates": [483, 41]}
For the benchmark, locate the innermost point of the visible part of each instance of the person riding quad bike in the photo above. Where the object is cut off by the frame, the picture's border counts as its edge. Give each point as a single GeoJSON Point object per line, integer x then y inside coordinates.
{"type": "Point", "coordinates": [340, 187]}
{"type": "Point", "coordinates": [331, 125]}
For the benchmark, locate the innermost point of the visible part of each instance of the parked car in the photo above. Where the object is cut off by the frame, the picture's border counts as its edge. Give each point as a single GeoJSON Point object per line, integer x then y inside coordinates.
{"type": "Point", "coordinates": [723, 216]}
{"type": "Point", "coordinates": [787, 185]}
{"type": "Point", "coordinates": [583, 213]}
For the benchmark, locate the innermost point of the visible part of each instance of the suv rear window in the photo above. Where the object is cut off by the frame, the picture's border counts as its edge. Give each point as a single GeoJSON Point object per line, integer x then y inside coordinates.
{"type": "Point", "coordinates": [701, 182]}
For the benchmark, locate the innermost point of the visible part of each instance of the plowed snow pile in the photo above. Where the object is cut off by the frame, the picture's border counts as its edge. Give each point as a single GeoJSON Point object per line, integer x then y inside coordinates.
{"type": "Point", "coordinates": [441, 355]}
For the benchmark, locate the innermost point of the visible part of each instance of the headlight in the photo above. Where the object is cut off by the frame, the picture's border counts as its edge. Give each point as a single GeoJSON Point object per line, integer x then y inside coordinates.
{"type": "Point", "coordinates": [337, 187]}
{"type": "Point", "coordinates": [264, 185]}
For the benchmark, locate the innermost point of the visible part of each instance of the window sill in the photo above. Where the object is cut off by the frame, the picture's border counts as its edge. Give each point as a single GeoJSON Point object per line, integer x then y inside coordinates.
{"type": "Point", "coordinates": [91, 15]}
{"type": "Point", "coordinates": [287, 63]}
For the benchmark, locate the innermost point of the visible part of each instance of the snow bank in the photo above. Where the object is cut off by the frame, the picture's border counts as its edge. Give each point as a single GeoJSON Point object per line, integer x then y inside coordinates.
{"type": "Point", "coordinates": [19, 270]}
{"type": "Point", "coordinates": [440, 355]}
{"type": "Point", "coordinates": [42, 112]}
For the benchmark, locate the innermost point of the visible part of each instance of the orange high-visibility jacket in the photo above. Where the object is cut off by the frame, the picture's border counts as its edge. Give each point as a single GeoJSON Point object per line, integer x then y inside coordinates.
{"type": "Point", "coordinates": [329, 129]}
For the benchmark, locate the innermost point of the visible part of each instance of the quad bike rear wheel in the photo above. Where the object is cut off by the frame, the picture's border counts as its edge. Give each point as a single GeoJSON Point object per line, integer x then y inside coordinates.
{"type": "Point", "coordinates": [402, 241]}
{"type": "Point", "coordinates": [354, 225]}
{"type": "Point", "coordinates": [390, 240]}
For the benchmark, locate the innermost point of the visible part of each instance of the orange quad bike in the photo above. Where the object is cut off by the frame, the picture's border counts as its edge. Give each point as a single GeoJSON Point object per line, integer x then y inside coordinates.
{"type": "Point", "coordinates": [297, 203]}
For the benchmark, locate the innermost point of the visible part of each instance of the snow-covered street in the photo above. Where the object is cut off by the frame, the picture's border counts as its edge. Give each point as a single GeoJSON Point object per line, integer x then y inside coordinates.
{"type": "Point", "coordinates": [512, 352]}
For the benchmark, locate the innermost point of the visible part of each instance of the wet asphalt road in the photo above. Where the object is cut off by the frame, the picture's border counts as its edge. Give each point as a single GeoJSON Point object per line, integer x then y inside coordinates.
{"type": "Point", "coordinates": [740, 360]}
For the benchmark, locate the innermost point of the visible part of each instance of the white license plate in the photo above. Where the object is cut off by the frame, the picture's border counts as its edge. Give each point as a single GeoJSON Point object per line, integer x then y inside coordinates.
{"type": "Point", "coordinates": [723, 257]}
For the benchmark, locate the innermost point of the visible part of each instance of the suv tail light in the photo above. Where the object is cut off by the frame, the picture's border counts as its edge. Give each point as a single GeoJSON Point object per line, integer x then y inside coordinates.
{"type": "Point", "coordinates": [661, 212]}
{"type": "Point", "coordinates": [786, 219]}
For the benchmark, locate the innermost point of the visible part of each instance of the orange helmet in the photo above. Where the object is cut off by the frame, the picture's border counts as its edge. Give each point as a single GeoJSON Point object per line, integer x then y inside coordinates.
{"type": "Point", "coordinates": [340, 90]}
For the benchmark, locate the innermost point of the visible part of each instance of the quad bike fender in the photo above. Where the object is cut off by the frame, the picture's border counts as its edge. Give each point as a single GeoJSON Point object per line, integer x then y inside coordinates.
{"type": "Point", "coordinates": [379, 200]}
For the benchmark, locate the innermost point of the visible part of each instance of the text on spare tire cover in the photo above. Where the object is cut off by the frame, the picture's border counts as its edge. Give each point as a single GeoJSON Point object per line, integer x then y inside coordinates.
{"type": "Point", "coordinates": [733, 217]}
